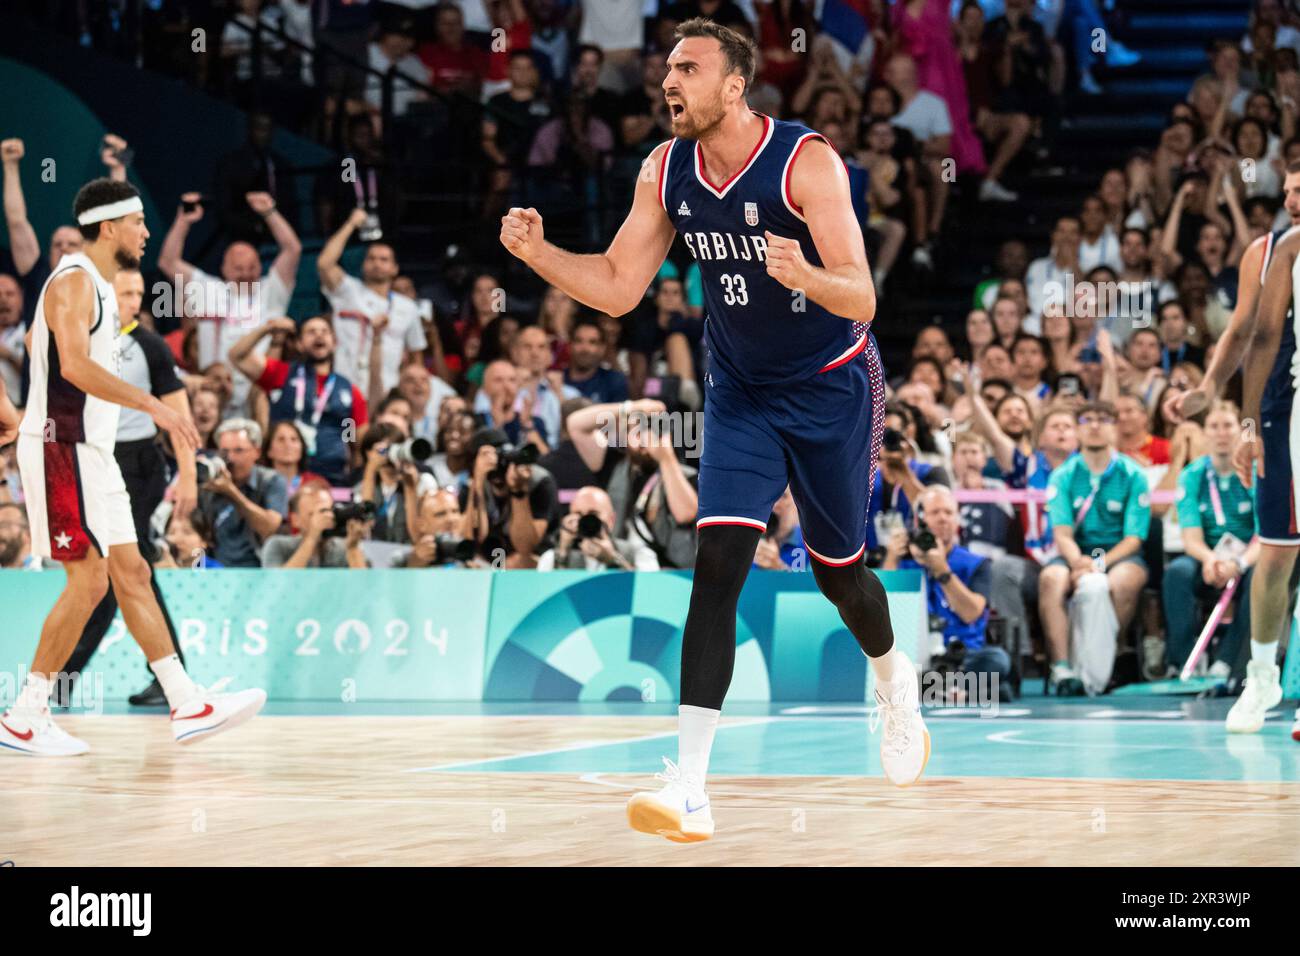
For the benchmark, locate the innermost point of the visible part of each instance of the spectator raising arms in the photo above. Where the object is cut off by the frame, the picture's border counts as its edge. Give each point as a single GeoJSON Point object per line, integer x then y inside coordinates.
{"type": "Point", "coordinates": [369, 315]}
{"type": "Point", "coordinates": [328, 409]}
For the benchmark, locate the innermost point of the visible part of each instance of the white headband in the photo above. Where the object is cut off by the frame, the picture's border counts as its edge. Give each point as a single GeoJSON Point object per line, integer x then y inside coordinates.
{"type": "Point", "coordinates": [114, 210]}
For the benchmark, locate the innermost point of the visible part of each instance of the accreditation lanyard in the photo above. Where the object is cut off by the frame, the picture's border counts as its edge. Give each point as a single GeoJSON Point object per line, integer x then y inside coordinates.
{"type": "Point", "coordinates": [367, 196]}
{"type": "Point", "coordinates": [322, 397]}
{"type": "Point", "coordinates": [1092, 495]}
{"type": "Point", "coordinates": [1220, 518]}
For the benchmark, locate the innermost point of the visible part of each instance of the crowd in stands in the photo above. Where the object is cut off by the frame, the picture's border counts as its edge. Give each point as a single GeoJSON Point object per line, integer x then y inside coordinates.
{"type": "Point", "coordinates": [475, 419]}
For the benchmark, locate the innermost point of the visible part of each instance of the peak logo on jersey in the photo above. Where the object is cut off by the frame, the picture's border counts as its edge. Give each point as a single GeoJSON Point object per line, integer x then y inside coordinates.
{"type": "Point", "coordinates": [751, 214]}
{"type": "Point", "coordinates": [683, 210]}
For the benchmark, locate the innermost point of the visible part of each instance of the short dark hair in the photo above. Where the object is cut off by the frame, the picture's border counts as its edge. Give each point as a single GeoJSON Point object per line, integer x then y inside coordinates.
{"type": "Point", "coordinates": [1098, 408]}
{"type": "Point", "coordinates": [587, 322]}
{"type": "Point", "coordinates": [100, 192]}
{"type": "Point", "coordinates": [391, 396]}
{"type": "Point", "coordinates": [1028, 337]}
{"type": "Point", "coordinates": [1144, 234]}
{"type": "Point", "coordinates": [894, 96]}
{"type": "Point", "coordinates": [738, 49]}
{"type": "Point", "coordinates": [588, 48]}
{"type": "Point", "coordinates": [1174, 303]}
{"type": "Point", "coordinates": [380, 432]}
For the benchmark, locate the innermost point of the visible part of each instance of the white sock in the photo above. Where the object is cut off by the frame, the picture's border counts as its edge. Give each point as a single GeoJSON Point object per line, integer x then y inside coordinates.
{"type": "Point", "coordinates": [176, 684]}
{"type": "Point", "coordinates": [34, 696]}
{"type": "Point", "coordinates": [884, 666]}
{"type": "Point", "coordinates": [695, 727]}
{"type": "Point", "coordinates": [1265, 653]}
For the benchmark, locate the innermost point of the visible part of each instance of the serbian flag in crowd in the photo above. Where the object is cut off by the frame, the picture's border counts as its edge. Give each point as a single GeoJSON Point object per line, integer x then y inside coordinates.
{"type": "Point", "coordinates": [846, 22]}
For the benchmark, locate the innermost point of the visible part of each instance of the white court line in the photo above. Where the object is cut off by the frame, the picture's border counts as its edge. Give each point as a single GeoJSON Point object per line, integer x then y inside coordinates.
{"type": "Point", "coordinates": [764, 805]}
{"type": "Point", "coordinates": [1004, 737]}
{"type": "Point", "coordinates": [580, 745]}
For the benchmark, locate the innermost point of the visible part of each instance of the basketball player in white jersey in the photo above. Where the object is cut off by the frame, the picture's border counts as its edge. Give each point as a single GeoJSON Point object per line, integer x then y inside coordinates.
{"type": "Point", "coordinates": [1275, 515]}
{"type": "Point", "coordinates": [77, 504]}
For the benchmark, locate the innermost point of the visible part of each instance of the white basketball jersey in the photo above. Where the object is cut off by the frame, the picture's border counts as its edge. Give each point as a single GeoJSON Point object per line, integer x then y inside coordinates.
{"type": "Point", "coordinates": [57, 409]}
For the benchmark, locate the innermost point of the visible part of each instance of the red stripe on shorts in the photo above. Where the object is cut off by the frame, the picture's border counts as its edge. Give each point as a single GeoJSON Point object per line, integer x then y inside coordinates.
{"type": "Point", "coordinates": [64, 507]}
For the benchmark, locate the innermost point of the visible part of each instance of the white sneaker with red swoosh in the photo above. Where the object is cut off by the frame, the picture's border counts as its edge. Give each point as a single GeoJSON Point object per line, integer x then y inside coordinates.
{"type": "Point", "coordinates": [211, 712]}
{"type": "Point", "coordinates": [37, 735]}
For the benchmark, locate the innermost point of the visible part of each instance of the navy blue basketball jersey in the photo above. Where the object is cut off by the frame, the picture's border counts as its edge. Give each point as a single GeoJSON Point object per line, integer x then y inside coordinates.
{"type": "Point", "coordinates": [759, 331]}
{"type": "Point", "coordinates": [1280, 389]}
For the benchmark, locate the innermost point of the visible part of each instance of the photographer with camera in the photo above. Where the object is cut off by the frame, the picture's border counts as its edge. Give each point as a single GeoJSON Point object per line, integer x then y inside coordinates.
{"type": "Point", "coordinates": [438, 542]}
{"type": "Point", "coordinates": [511, 500]}
{"type": "Point", "coordinates": [958, 582]}
{"type": "Point", "coordinates": [585, 541]}
{"type": "Point", "coordinates": [393, 482]}
{"type": "Point", "coordinates": [244, 502]}
{"type": "Point", "coordinates": [331, 534]}
{"type": "Point", "coordinates": [653, 493]}
{"type": "Point", "coordinates": [900, 479]}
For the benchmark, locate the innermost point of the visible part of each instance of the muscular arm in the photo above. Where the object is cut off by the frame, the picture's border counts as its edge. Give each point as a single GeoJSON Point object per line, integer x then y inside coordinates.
{"type": "Point", "coordinates": [1270, 313]}
{"type": "Point", "coordinates": [179, 402]}
{"type": "Point", "coordinates": [1231, 347]}
{"type": "Point", "coordinates": [69, 299]}
{"type": "Point", "coordinates": [614, 281]}
{"type": "Point", "coordinates": [819, 185]}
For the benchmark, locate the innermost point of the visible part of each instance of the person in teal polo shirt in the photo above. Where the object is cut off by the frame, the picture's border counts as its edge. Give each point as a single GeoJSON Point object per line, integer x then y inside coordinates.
{"type": "Point", "coordinates": [1099, 507]}
{"type": "Point", "coordinates": [1212, 503]}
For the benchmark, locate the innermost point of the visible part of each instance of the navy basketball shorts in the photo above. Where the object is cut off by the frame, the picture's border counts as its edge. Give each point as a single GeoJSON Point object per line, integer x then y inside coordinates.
{"type": "Point", "coordinates": [1275, 493]}
{"type": "Point", "coordinates": [821, 436]}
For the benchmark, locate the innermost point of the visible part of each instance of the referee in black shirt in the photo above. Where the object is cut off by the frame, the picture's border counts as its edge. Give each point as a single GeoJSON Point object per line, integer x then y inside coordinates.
{"type": "Point", "coordinates": [146, 362]}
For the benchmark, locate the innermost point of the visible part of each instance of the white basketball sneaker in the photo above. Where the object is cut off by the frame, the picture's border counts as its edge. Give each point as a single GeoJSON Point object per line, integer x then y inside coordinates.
{"type": "Point", "coordinates": [37, 735]}
{"type": "Point", "coordinates": [1261, 692]}
{"type": "Point", "coordinates": [905, 745]}
{"type": "Point", "coordinates": [209, 712]}
{"type": "Point", "coordinates": [680, 811]}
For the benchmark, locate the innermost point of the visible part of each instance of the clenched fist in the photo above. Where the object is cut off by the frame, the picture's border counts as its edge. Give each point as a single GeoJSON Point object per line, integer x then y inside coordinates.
{"type": "Point", "coordinates": [11, 150]}
{"type": "Point", "coordinates": [521, 232]}
{"type": "Point", "coordinates": [785, 261]}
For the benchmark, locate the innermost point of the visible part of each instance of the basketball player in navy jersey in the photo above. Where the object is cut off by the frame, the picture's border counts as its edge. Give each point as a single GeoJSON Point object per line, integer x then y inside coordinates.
{"type": "Point", "coordinates": [794, 385]}
{"type": "Point", "coordinates": [1258, 330]}
{"type": "Point", "coordinates": [77, 503]}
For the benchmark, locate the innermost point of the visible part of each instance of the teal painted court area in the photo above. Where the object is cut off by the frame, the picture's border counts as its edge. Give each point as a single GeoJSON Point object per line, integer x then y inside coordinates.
{"type": "Point", "coordinates": [1151, 741]}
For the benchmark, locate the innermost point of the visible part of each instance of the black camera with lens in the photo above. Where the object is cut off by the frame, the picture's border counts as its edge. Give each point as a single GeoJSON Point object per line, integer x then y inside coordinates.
{"type": "Point", "coordinates": [345, 511]}
{"type": "Point", "coordinates": [508, 455]}
{"type": "Point", "coordinates": [923, 538]}
{"type": "Point", "coordinates": [452, 547]}
{"type": "Point", "coordinates": [205, 470]}
{"type": "Point", "coordinates": [893, 440]}
{"type": "Point", "coordinates": [590, 526]}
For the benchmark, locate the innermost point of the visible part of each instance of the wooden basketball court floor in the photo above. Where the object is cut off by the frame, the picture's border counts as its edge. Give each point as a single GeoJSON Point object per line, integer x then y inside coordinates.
{"type": "Point", "coordinates": [1145, 781]}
